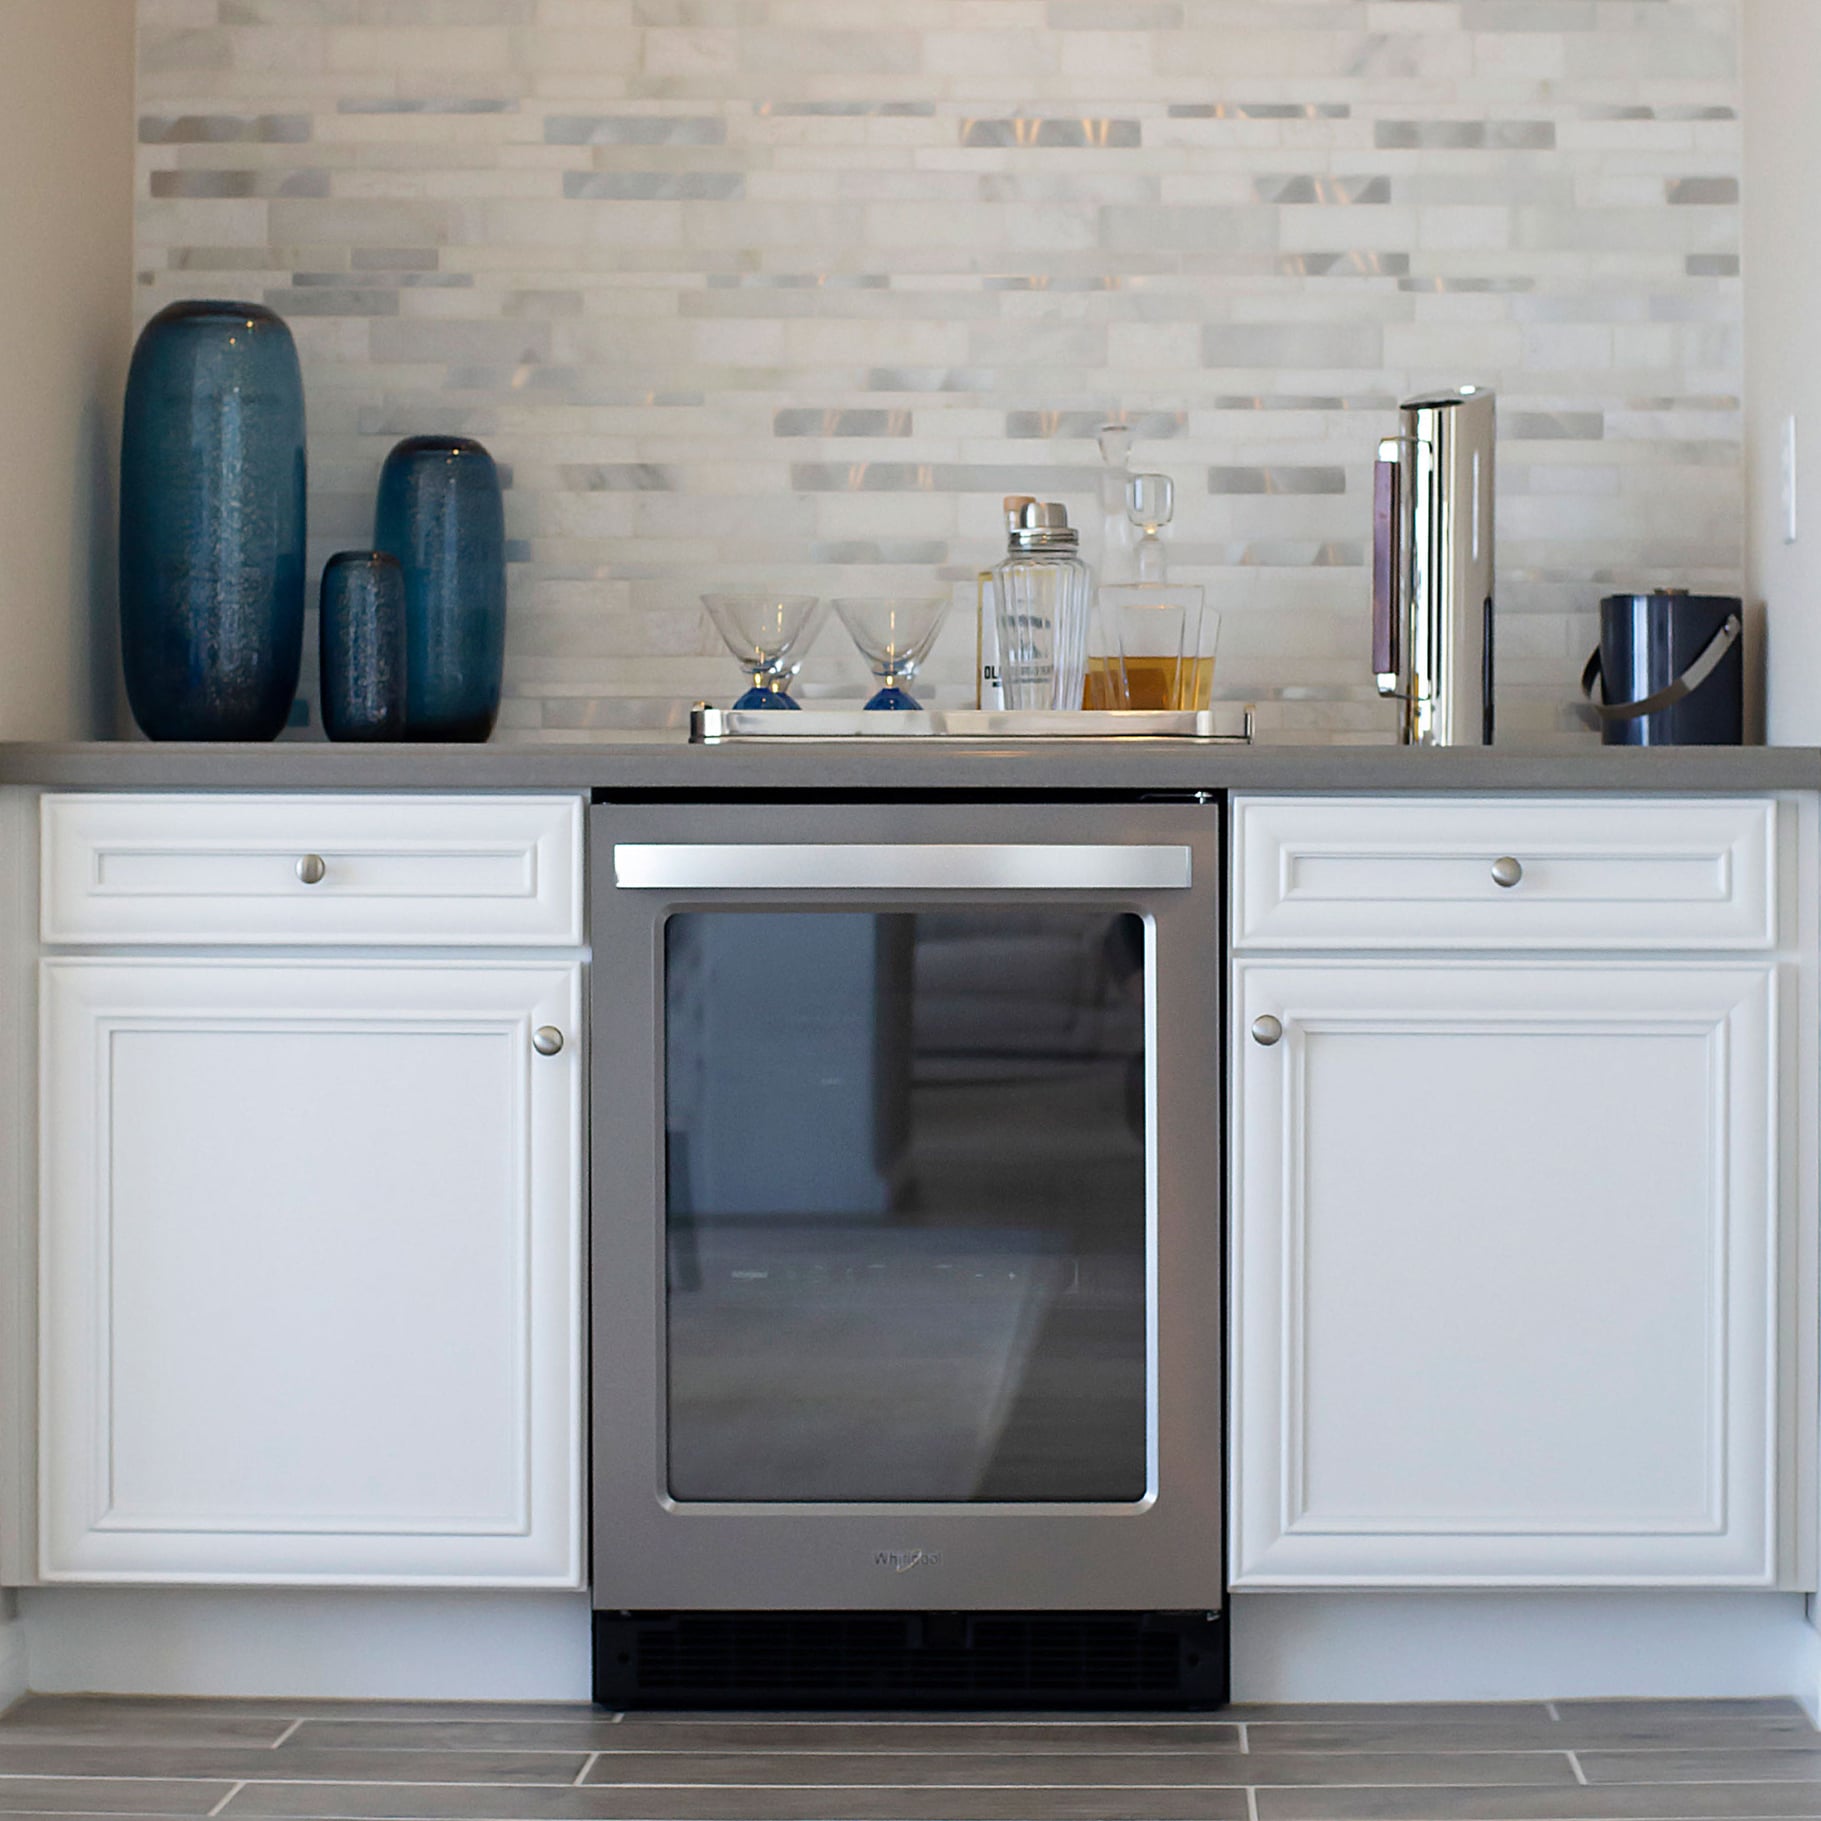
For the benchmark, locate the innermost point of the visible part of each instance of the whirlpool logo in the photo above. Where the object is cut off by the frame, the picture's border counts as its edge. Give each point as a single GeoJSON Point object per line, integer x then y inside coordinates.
{"type": "Point", "coordinates": [902, 1561]}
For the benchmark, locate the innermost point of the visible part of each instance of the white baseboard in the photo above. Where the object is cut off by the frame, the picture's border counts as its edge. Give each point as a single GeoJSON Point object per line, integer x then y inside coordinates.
{"type": "Point", "coordinates": [1521, 1646]}
{"type": "Point", "coordinates": [352, 1644]}
{"type": "Point", "coordinates": [13, 1678]}
{"type": "Point", "coordinates": [1286, 1647]}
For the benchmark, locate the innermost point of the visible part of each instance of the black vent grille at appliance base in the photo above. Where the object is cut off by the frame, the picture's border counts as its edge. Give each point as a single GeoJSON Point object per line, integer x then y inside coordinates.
{"type": "Point", "coordinates": [939, 1660]}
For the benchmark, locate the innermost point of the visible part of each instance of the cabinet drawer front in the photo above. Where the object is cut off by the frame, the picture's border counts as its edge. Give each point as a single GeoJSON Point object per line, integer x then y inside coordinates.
{"type": "Point", "coordinates": [295, 869]}
{"type": "Point", "coordinates": [1504, 872]}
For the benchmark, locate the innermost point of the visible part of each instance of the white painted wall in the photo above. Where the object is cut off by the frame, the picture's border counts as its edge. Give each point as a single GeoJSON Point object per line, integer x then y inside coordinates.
{"type": "Point", "coordinates": [66, 148]}
{"type": "Point", "coordinates": [1782, 268]}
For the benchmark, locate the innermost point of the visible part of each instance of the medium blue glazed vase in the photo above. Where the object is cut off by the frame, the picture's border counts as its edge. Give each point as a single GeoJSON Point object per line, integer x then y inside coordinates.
{"type": "Point", "coordinates": [442, 515]}
{"type": "Point", "coordinates": [363, 646]}
{"type": "Point", "coordinates": [212, 485]}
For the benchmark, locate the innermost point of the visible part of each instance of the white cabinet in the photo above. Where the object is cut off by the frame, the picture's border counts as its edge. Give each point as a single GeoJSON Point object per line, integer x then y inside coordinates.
{"type": "Point", "coordinates": [1507, 1290]}
{"type": "Point", "coordinates": [310, 1213]}
{"type": "Point", "coordinates": [310, 1271]}
{"type": "Point", "coordinates": [1522, 1243]}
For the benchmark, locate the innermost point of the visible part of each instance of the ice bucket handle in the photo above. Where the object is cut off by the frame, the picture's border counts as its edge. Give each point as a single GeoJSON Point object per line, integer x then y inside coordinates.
{"type": "Point", "coordinates": [1671, 693]}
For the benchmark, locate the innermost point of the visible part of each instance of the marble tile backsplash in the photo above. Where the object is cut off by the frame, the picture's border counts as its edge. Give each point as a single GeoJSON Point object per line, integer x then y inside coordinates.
{"type": "Point", "coordinates": [792, 291]}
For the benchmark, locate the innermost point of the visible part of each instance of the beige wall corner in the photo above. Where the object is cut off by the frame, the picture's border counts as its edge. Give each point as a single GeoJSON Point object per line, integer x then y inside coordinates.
{"type": "Point", "coordinates": [66, 201]}
{"type": "Point", "coordinates": [1782, 195]}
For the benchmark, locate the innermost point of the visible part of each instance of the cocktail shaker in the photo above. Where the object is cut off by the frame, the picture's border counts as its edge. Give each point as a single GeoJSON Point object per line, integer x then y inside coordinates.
{"type": "Point", "coordinates": [1042, 594]}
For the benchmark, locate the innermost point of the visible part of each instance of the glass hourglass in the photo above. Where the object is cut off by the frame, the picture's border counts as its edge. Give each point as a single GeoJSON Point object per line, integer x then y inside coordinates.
{"type": "Point", "coordinates": [768, 635]}
{"type": "Point", "coordinates": [1150, 503]}
{"type": "Point", "coordinates": [894, 635]}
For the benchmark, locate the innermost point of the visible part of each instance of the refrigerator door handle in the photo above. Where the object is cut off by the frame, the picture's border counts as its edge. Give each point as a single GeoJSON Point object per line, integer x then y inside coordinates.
{"type": "Point", "coordinates": [899, 866]}
{"type": "Point", "coordinates": [1386, 489]}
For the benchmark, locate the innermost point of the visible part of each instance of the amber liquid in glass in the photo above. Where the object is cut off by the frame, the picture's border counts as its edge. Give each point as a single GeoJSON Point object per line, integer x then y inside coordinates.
{"type": "Point", "coordinates": [1151, 684]}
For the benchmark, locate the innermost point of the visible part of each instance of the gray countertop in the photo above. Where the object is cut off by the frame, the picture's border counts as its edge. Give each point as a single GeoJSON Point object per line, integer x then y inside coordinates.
{"type": "Point", "coordinates": [972, 766]}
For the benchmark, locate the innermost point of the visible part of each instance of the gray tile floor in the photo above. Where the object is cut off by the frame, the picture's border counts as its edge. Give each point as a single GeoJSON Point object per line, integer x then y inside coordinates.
{"type": "Point", "coordinates": [1516, 1761]}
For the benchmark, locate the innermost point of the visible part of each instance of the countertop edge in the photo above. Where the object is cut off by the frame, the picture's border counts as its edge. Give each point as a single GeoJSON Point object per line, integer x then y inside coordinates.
{"type": "Point", "coordinates": [836, 767]}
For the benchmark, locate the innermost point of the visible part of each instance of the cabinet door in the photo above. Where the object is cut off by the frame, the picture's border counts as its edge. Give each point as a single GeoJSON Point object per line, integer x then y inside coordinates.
{"type": "Point", "coordinates": [310, 1255]}
{"type": "Point", "coordinates": [1505, 1243]}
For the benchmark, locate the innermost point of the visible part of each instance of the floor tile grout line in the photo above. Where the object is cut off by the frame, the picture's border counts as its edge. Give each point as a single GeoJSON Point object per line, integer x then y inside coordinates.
{"type": "Point", "coordinates": [925, 1751]}
{"type": "Point", "coordinates": [1774, 1748]}
{"type": "Point", "coordinates": [837, 1789]}
{"type": "Point", "coordinates": [229, 1797]}
{"type": "Point", "coordinates": [1217, 1752]}
{"type": "Point", "coordinates": [1008, 1722]}
{"type": "Point", "coordinates": [1240, 1742]}
{"type": "Point", "coordinates": [1525, 1789]}
{"type": "Point", "coordinates": [841, 1788]}
{"type": "Point", "coordinates": [1641, 1749]}
{"type": "Point", "coordinates": [1057, 1762]}
{"type": "Point", "coordinates": [581, 1776]}
{"type": "Point", "coordinates": [1022, 1748]}
{"type": "Point", "coordinates": [291, 1781]}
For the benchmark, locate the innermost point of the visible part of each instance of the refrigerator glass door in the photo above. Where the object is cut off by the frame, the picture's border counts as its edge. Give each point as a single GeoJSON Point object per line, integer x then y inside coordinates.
{"type": "Point", "coordinates": [905, 1205]}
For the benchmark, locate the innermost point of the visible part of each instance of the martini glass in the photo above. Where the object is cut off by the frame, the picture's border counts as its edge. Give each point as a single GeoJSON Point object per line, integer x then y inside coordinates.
{"type": "Point", "coordinates": [894, 634]}
{"type": "Point", "coordinates": [768, 635]}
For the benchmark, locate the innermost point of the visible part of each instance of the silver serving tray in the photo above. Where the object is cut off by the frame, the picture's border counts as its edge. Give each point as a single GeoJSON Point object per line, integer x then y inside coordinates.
{"type": "Point", "coordinates": [711, 726]}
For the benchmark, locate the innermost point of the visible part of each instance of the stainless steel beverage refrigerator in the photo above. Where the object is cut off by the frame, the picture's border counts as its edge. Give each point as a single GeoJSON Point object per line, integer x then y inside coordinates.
{"type": "Point", "coordinates": [907, 1257]}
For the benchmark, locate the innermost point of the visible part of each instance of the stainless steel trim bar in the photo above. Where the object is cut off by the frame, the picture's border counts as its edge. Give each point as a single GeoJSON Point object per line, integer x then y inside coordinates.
{"type": "Point", "coordinates": [900, 866]}
{"type": "Point", "coordinates": [1229, 722]}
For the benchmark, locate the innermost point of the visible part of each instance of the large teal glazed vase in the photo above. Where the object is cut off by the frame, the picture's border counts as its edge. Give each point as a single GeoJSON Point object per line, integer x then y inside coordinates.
{"type": "Point", "coordinates": [441, 512]}
{"type": "Point", "coordinates": [212, 515]}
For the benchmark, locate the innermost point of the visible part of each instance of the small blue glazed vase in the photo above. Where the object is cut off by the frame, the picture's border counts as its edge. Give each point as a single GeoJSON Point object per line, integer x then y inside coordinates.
{"type": "Point", "coordinates": [212, 486]}
{"type": "Point", "coordinates": [441, 513]}
{"type": "Point", "coordinates": [363, 646]}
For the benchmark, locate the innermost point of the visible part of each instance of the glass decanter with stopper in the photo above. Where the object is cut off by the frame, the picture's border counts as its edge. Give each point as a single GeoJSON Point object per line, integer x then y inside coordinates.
{"type": "Point", "coordinates": [1117, 536]}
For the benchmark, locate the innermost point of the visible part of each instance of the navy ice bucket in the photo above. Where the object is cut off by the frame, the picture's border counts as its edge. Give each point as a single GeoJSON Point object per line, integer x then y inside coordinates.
{"type": "Point", "coordinates": [1669, 671]}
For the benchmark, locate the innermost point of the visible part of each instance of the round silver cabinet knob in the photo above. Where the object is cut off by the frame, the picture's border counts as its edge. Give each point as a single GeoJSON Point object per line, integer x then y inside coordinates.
{"type": "Point", "coordinates": [547, 1040]}
{"type": "Point", "coordinates": [1266, 1029]}
{"type": "Point", "coordinates": [1507, 872]}
{"type": "Point", "coordinates": [312, 869]}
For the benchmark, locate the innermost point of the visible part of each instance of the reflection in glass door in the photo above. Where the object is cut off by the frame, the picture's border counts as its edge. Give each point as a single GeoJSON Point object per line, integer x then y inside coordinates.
{"type": "Point", "coordinates": [906, 1205]}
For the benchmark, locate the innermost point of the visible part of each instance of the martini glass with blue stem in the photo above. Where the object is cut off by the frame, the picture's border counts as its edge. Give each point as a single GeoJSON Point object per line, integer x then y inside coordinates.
{"type": "Point", "coordinates": [768, 634]}
{"type": "Point", "coordinates": [894, 634]}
